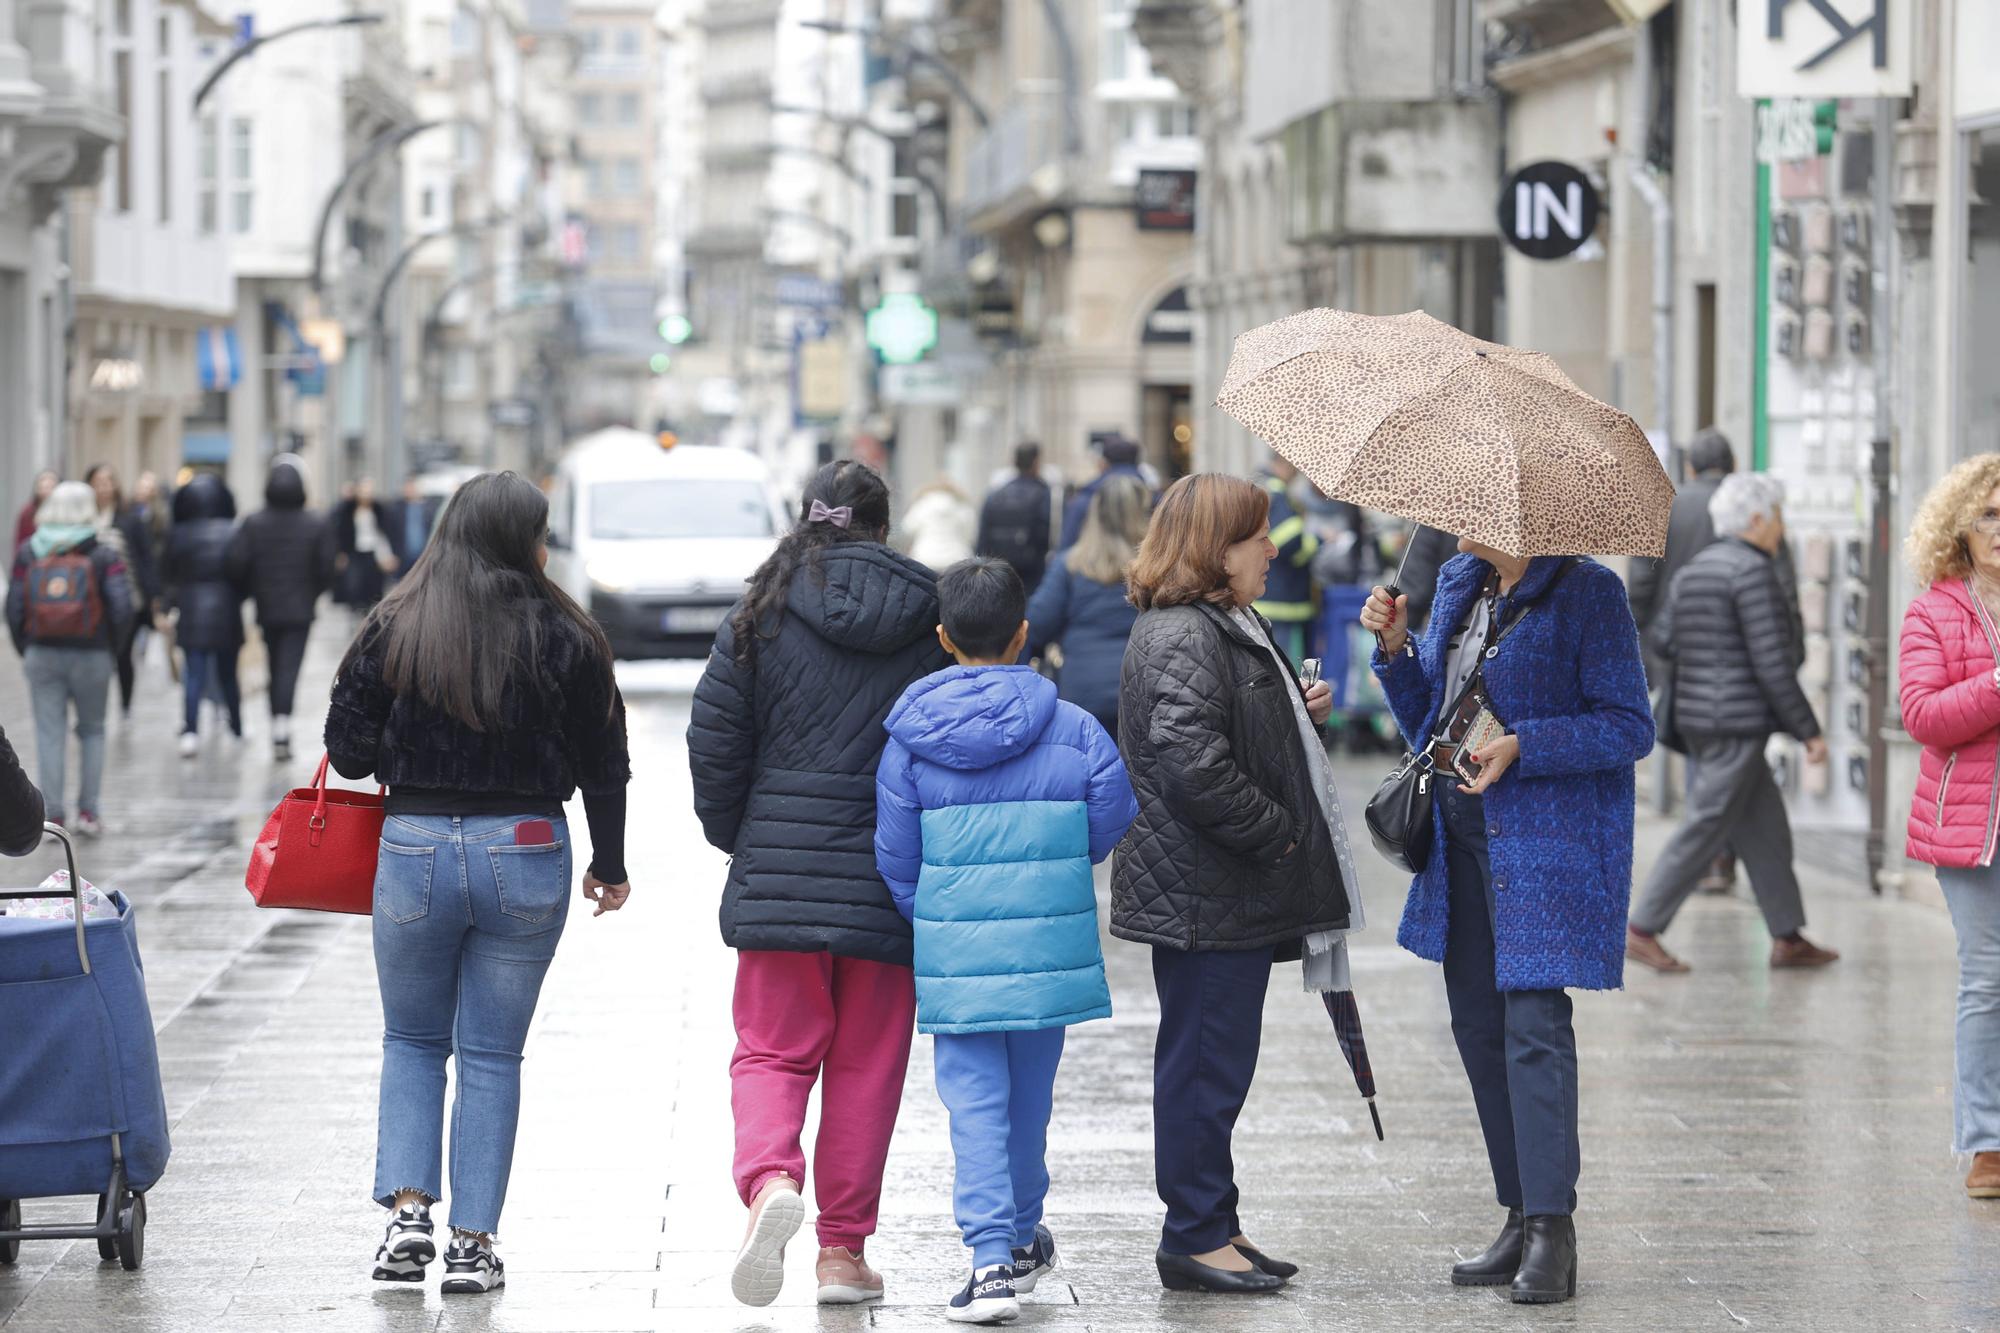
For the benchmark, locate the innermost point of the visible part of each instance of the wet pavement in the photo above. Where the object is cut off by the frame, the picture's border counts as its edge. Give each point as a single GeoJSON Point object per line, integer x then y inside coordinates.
{"type": "Point", "coordinates": [1760, 1150]}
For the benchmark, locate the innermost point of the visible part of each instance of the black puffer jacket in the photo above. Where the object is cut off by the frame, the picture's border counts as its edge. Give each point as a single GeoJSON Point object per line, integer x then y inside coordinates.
{"type": "Point", "coordinates": [198, 582]}
{"type": "Point", "coordinates": [1213, 748]}
{"type": "Point", "coordinates": [784, 755]}
{"type": "Point", "coordinates": [283, 555]}
{"type": "Point", "coordinates": [1730, 635]}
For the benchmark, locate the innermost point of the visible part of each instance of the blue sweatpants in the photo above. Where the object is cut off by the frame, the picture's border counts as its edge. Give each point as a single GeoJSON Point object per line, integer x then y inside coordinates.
{"type": "Point", "coordinates": [999, 1088]}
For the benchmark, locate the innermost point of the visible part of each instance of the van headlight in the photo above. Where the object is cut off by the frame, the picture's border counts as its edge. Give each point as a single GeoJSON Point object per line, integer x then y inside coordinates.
{"type": "Point", "coordinates": [606, 577]}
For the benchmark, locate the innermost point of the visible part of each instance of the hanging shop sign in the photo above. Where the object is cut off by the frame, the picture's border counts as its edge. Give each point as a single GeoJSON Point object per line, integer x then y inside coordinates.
{"type": "Point", "coordinates": [1165, 200]}
{"type": "Point", "coordinates": [1548, 210]}
{"type": "Point", "coordinates": [1170, 321]}
{"type": "Point", "coordinates": [1823, 48]}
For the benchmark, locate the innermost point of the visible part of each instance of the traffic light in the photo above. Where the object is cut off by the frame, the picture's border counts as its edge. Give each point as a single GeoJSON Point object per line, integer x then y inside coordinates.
{"type": "Point", "coordinates": [1826, 119]}
{"type": "Point", "coordinates": [676, 329]}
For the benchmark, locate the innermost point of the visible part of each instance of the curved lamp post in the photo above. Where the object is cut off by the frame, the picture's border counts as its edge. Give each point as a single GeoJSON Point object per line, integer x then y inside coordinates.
{"type": "Point", "coordinates": [388, 141]}
{"type": "Point", "coordinates": [257, 43]}
{"type": "Point", "coordinates": [890, 137]}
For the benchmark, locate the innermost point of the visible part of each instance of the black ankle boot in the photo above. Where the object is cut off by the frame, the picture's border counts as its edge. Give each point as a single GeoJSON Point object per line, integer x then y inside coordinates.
{"type": "Point", "coordinates": [1548, 1261]}
{"type": "Point", "coordinates": [1497, 1266]}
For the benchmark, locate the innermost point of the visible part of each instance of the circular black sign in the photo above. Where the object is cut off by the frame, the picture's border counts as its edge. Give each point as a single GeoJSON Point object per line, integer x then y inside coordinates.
{"type": "Point", "coordinates": [1548, 210]}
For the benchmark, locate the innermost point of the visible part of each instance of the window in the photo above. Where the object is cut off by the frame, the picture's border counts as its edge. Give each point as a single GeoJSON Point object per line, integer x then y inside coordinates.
{"type": "Point", "coordinates": [1174, 120]}
{"type": "Point", "coordinates": [903, 215]}
{"type": "Point", "coordinates": [653, 510]}
{"type": "Point", "coordinates": [628, 109]}
{"type": "Point", "coordinates": [627, 176]}
{"type": "Point", "coordinates": [589, 109]}
{"type": "Point", "coordinates": [593, 177]}
{"type": "Point", "coordinates": [240, 144]}
{"type": "Point", "coordinates": [121, 78]}
{"type": "Point", "coordinates": [427, 209]}
{"type": "Point", "coordinates": [208, 164]}
{"type": "Point", "coordinates": [165, 84]}
{"type": "Point", "coordinates": [1120, 57]}
{"type": "Point", "coordinates": [122, 17]}
{"type": "Point", "coordinates": [621, 242]}
{"type": "Point", "coordinates": [1117, 55]}
{"type": "Point", "coordinates": [628, 43]}
{"type": "Point", "coordinates": [590, 41]}
{"type": "Point", "coordinates": [464, 34]}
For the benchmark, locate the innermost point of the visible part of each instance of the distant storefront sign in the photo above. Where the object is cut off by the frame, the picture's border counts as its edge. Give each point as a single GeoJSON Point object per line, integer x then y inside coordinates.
{"type": "Point", "coordinates": [1548, 210]}
{"type": "Point", "coordinates": [822, 378]}
{"type": "Point", "coordinates": [923, 384]}
{"type": "Point", "coordinates": [512, 413]}
{"type": "Point", "coordinates": [117, 374]}
{"type": "Point", "coordinates": [1165, 200]}
{"type": "Point", "coordinates": [1170, 321]}
{"type": "Point", "coordinates": [807, 291]}
{"type": "Point", "coordinates": [1824, 48]}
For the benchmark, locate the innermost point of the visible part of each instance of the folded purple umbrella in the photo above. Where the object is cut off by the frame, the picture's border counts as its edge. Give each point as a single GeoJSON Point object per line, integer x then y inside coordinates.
{"type": "Point", "coordinates": [1346, 1016]}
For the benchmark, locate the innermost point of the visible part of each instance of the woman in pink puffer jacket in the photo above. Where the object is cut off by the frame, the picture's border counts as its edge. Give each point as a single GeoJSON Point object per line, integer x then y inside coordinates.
{"type": "Point", "coordinates": [1951, 704]}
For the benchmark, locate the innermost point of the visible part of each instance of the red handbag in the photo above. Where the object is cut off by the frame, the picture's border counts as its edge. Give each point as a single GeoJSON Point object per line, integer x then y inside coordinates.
{"type": "Point", "coordinates": [318, 850]}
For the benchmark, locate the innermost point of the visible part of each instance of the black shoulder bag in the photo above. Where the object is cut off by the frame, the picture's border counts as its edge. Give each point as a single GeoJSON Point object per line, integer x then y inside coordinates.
{"type": "Point", "coordinates": [1399, 814]}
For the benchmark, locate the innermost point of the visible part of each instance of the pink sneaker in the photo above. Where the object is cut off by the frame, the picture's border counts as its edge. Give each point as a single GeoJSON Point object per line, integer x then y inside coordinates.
{"type": "Point", "coordinates": [776, 1215]}
{"type": "Point", "coordinates": [845, 1277]}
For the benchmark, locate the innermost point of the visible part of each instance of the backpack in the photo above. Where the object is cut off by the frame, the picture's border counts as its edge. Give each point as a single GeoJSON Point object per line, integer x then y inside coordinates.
{"type": "Point", "coordinates": [1017, 525]}
{"type": "Point", "coordinates": [63, 600]}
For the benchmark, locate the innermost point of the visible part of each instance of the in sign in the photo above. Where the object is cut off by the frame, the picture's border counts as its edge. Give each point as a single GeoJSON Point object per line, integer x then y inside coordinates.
{"type": "Point", "coordinates": [1548, 210]}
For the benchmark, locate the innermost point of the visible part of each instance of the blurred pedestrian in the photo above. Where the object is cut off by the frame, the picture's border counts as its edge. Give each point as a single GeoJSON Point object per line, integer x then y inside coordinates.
{"type": "Point", "coordinates": [24, 522]}
{"type": "Point", "coordinates": [413, 518]}
{"type": "Point", "coordinates": [1234, 862]}
{"type": "Point", "coordinates": [1951, 706]}
{"type": "Point", "coordinates": [123, 528]}
{"type": "Point", "coordinates": [1008, 958]}
{"type": "Point", "coordinates": [1530, 865]}
{"type": "Point", "coordinates": [283, 557]}
{"type": "Point", "coordinates": [364, 548]}
{"type": "Point", "coordinates": [784, 741]}
{"type": "Point", "coordinates": [1083, 607]}
{"type": "Point", "coordinates": [1732, 650]}
{"type": "Point", "coordinates": [70, 602]}
{"type": "Point", "coordinates": [940, 526]}
{"type": "Point", "coordinates": [1288, 597]}
{"type": "Point", "coordinates": [1116, 456]}
{"type": "Point", "coordinates": [1015, 520]}
{"type": "Point", "coordinates": [207, 602]}
{"type": "Point", "coordinates": [21, 811]}
{"type": "Point", "coordinates": [484, 698]}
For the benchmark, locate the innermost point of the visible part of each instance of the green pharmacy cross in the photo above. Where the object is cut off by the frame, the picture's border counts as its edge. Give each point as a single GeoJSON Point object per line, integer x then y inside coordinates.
{"type": "Point", "coordinates": [902, 328]}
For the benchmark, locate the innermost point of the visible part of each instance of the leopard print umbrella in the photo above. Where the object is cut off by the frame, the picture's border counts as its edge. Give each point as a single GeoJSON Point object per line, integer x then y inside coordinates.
{"type": "Point", "coordinates": [1406, 414]}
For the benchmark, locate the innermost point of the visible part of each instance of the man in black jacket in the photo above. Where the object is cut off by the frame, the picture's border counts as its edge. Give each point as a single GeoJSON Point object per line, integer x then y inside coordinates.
{"type": "Point", "coordinates": [1014, 522]}
{"type": "Point", "coordinates": [282, 557]}
{"type": "Point", "coordinates": [1730, 639]}
{"type": "Point", "coordinates": [1689, 530]}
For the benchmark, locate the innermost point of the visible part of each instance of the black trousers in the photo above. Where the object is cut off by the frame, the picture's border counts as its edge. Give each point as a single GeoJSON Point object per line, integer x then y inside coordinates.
{"type": "Point", "coordinates": [286, 647]}
{"type": "Point", "coordinates": [1518, 1047]}
{"type": "Point", "coordinates": [1211, 1022]}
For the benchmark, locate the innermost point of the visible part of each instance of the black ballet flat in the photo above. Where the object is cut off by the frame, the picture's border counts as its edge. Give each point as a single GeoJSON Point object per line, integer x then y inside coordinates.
{"type": "Point", "coordinates": [1180, 1272]}
{"type": "Point", "coordinates": [1264, 1263]}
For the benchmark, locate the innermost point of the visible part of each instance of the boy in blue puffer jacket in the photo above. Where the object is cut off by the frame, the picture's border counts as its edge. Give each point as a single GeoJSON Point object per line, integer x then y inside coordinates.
{"type": "Point", "coordinates": [994, 799]}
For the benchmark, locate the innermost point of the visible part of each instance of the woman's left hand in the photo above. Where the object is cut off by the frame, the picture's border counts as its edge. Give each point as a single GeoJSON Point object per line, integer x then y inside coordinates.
{"type": "Point", "coordinates": [1498, 756]}
{"type": "Point", "coordinates": [1319, 702]}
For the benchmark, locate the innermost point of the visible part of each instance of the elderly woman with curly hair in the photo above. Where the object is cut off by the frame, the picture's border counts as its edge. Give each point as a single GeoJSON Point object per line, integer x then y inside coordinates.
{"type": "Point", "coordinates": [1951, 704]}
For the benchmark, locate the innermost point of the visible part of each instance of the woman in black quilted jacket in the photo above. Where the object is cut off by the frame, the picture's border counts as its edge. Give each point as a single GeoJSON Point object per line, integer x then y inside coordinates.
{"type": "Point", "coordinates": [786, 733]}
{"type": "Point", "coordinates": [1233, 862]}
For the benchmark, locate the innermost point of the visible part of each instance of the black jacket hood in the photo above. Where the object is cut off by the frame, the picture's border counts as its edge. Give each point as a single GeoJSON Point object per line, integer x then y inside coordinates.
{"type": "Point", "coordinates": [203, 497]}
{"type": "Point", "coordinates": [286, 489]}
{"type": "Point", "coordinates": [866, 597]}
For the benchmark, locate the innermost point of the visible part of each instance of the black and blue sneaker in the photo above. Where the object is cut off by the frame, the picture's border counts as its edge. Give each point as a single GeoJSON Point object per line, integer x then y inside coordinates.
{"type": "Point", "coordinates": [1032, 1261]}
{"type": "Point", "coordinates": [988, 1298]}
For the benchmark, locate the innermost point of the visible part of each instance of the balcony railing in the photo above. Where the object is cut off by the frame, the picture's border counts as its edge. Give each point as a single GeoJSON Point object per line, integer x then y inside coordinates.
{"type": "Point", "coordinates": [1023, 139]}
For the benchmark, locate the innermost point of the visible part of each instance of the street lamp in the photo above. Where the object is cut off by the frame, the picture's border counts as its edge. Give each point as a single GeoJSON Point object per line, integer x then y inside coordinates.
{"type": "Point", "coordinates": [255, 43]}
{"type": "Point", "coordinates": [914, 53]}
{"type": "Point", "coordinates": [388, 141]}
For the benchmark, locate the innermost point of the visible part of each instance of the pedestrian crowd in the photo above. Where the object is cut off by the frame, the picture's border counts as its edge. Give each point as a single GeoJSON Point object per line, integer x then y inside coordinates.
{"type": "Point", "coordinates": [915, 746]}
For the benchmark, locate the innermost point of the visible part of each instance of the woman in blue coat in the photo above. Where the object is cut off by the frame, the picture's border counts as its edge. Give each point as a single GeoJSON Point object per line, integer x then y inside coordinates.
{"type": "Point", "coordinates": [1530, 870]}
{"type": "Point", "coordinates": [1082, 602]}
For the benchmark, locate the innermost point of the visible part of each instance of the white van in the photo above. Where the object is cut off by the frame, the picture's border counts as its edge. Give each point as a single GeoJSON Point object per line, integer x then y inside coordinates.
{"type": "Point", "coordinates": [658, 542]}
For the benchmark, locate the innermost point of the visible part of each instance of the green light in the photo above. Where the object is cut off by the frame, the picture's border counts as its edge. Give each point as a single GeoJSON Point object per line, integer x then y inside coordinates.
{"type": "Point", "coordinates": [902, 328]}
{"type": "Point", "coordinates": [676, 329]}
{"type": "Point", "coordinates": [1826, 119]}
{"type": "Point", "coordinates": [660, 362]}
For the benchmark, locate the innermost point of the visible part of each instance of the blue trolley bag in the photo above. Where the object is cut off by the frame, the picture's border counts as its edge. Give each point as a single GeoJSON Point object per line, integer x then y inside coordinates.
{"type": "Point", "coordinates": [81, 1107]}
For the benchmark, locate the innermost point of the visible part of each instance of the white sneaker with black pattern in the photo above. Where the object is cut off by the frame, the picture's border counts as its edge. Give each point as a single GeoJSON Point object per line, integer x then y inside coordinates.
{"type": "Point", "coordinates": [471, 1267]}
{"type": "Point", "coordinates": [407, 1247]}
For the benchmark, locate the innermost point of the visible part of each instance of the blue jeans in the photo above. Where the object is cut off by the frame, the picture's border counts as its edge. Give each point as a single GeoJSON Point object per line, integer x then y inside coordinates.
{"type": "Point", "coordinates": [58, 678]}
{"type": "Point", "coordinates": [200, 668]}
{"type": "Point", "coordinates": [999, 1088]}
{"type": "Point", "coordinates": [1974, 898]}
{"type": "Point", "coordinates": [1518, 1047]}
{"type": "Point", "coordinates": [466, 923]}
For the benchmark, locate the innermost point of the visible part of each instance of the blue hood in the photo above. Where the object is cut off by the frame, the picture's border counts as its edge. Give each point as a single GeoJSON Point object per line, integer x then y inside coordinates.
{"type": "Point", "coordinates": [974, 717]}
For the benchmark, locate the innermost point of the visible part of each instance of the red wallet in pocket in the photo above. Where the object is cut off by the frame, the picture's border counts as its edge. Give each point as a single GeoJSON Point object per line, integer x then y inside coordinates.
{"type": "Point", "coordinates": [534, 833]}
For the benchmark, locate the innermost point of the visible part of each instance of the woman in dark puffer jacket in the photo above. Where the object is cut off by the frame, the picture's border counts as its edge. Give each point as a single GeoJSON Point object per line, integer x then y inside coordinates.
{"type": "Point", "coordinates": [1233, 863]}
{"type": "Point", "coordinates": [786, 734]}
{"type": "Point", "coordinates": [209, 629]}
{"type": "Point", "coordinates": [1082, 604]}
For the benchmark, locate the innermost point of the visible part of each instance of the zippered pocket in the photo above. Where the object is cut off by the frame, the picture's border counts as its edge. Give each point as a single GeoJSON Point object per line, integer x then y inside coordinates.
{"type": "Point", "coordinates": [1944, 782]}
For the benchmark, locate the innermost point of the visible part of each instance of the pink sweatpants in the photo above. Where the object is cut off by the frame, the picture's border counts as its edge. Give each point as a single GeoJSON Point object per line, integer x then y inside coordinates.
{"type": "Point", "coordinates": [847, 1023]}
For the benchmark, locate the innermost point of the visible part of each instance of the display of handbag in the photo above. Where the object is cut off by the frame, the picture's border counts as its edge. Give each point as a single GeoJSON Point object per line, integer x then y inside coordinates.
{"type": "Point", "coordinates": [318, 850]}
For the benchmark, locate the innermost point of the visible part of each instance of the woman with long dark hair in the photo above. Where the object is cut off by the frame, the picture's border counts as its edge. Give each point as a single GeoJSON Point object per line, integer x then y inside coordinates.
{"type": "Point", "coordinates": [483, 696]}
{"type": "Point", "coordinates": [784, 742]}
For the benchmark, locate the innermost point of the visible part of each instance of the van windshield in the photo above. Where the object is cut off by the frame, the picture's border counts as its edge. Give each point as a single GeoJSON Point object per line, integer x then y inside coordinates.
{"type": "Point", "coordinates": [655, 509]}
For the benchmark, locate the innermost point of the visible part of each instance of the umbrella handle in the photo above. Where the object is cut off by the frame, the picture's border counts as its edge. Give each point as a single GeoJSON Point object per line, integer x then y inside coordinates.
{"type": "Point", "coordinates": [1395, 590]}
{"type": "Point", "coordinates": [1376, 1116]}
